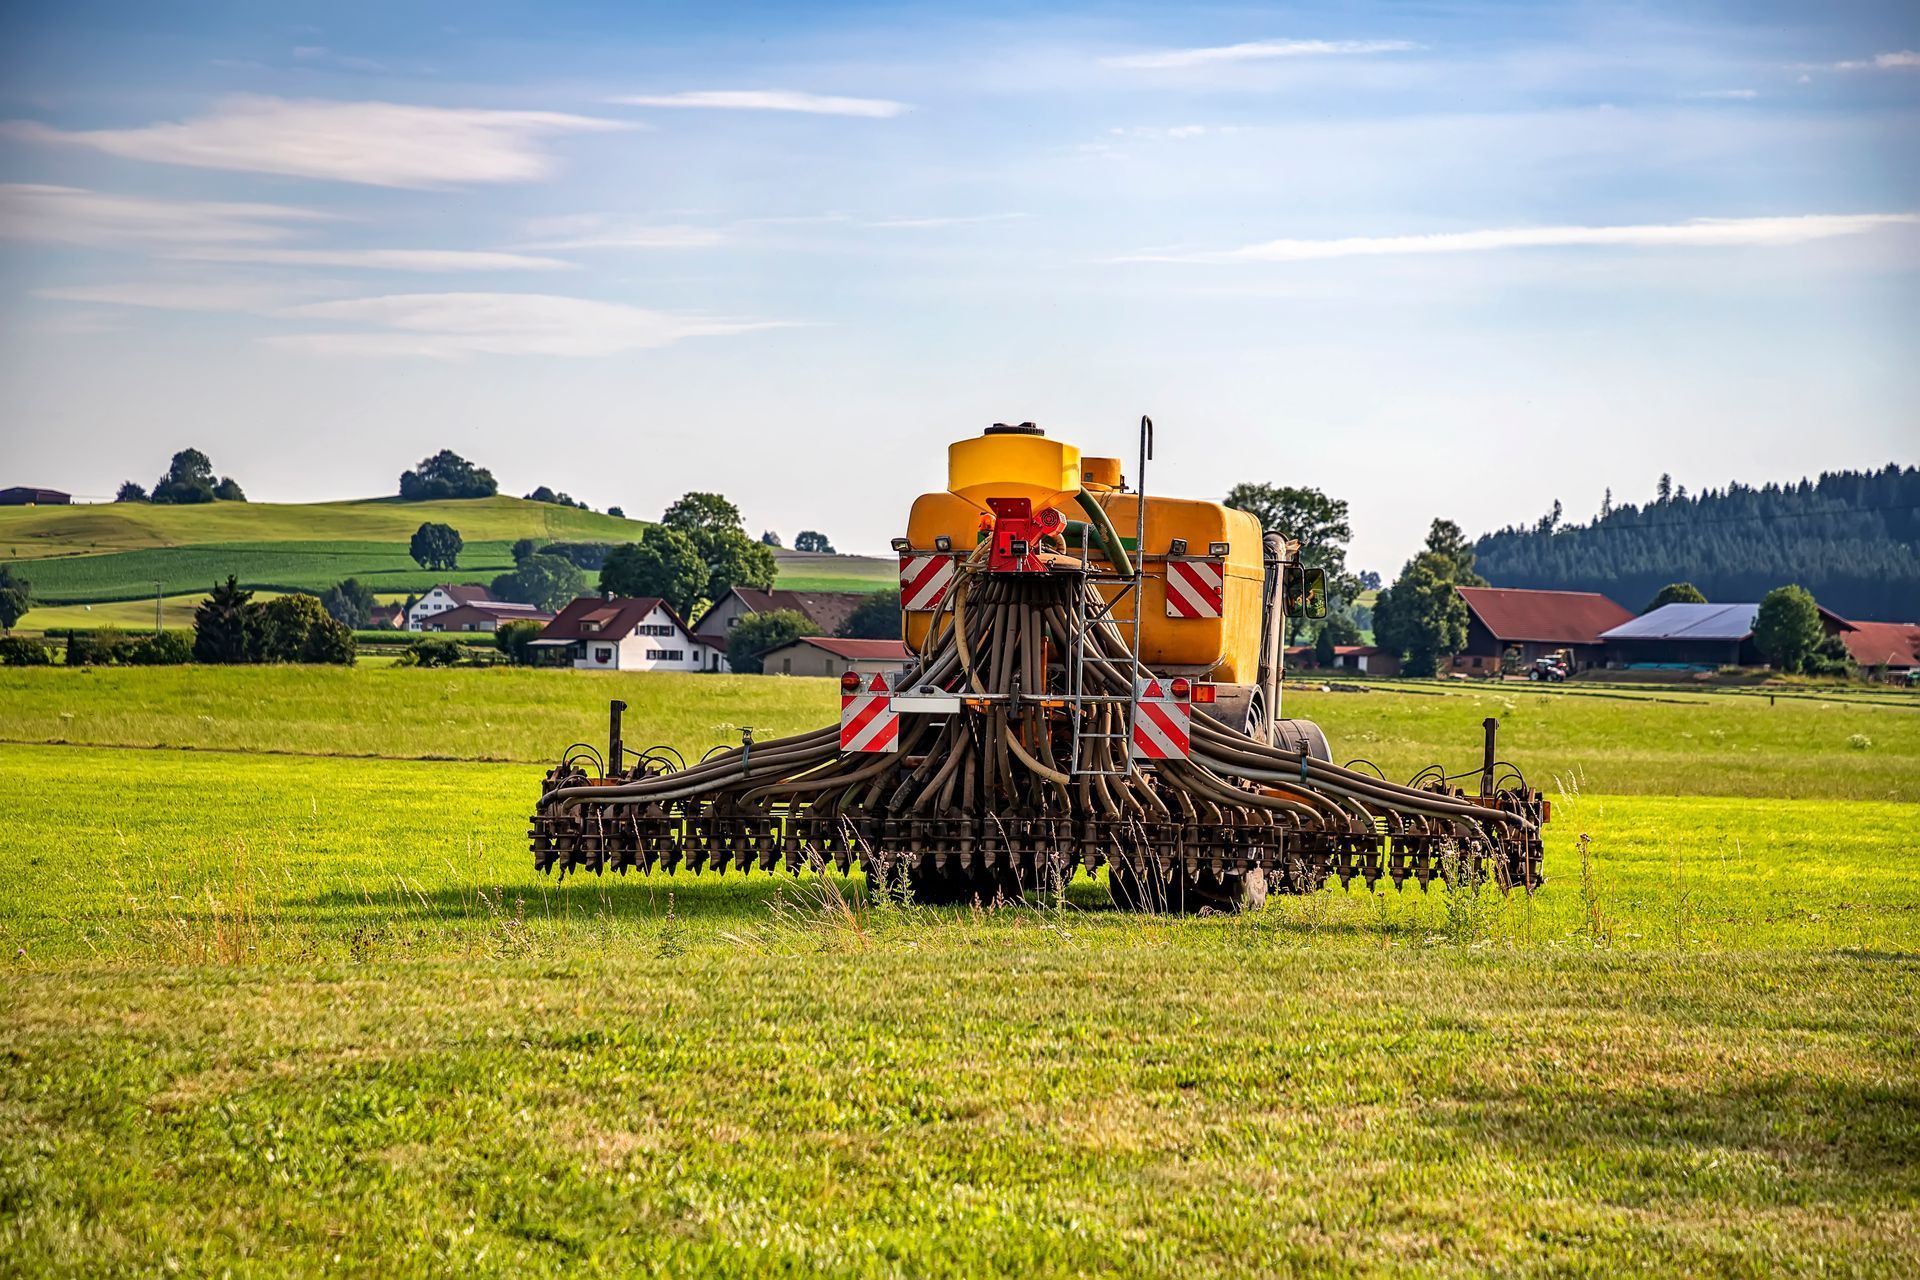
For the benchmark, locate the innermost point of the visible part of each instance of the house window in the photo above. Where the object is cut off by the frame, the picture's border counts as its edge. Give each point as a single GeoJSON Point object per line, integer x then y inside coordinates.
{"type": "Point", "coordinates": [654, 629]}
{"type": "Point", "coordinates": [786, 666]}
{"type": "Point", "coordinates": [589, 626]}
{"type": "Point", "coordinates": [666, 655]}
{"type": "Point", "coordinates": [730, 622]}
{"type": "Point", "coordinates": [603, 654]}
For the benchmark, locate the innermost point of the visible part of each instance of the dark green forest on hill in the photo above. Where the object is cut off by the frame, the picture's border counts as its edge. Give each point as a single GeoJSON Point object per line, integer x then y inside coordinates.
{"type": "Point", "coordinates": [1850, 537]}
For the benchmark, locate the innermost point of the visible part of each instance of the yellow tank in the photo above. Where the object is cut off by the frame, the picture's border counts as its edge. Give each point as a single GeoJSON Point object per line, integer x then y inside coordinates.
{"type": "Point", "coordinates": [1224, 649]}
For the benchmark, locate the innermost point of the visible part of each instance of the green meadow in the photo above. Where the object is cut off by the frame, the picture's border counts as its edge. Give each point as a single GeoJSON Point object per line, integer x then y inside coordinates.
{"type": "Point", "coordinates": [283, 995]}
{"type": "Point", "coordinates": [118, 552]}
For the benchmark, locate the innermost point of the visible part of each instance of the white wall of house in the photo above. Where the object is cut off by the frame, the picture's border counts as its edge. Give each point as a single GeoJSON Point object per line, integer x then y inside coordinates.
{"type": "Point", "coordinates": [435, 601]}
{"type": "Point", "coordinates": [657, 643]}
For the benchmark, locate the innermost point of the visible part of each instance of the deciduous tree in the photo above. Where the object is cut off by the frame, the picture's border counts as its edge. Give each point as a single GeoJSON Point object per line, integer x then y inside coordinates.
{"type": "Point", "coordinates": [447, 475]}
{"type": "Point", "coordinates": [1675, 593]}
{"type": "Point", "coordinates": [16, 595]}
{"type": "Point", "coordinates": [876, 618]}
{"type": "Point", "coordinates": [758, 634]}
{"type": "Point", "coordinates": [664, 563]}
{"type": "Point", "coordinates": [546, 582]}
{"type": "Point", "coordinates": [436, 546]}
{"type": "Point", "coordinates": [1787, 628]}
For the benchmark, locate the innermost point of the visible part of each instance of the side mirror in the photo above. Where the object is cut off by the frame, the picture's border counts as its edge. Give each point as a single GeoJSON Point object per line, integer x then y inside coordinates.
{"type": "Point", "coordinates": [1293, 590]}
{"type": "Point", "coordinates": [1316, 594]}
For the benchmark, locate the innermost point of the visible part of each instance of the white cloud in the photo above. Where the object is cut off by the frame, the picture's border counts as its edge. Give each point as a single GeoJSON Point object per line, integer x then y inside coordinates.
{"type": "Point", "coordinates": [771, 100]}
{"type": "Point", "coordinates": [378, 143]}
{"type": "Point", "coordinates": [453, 325]}
{"type": "Point", "coordinates": [1904, 60]}
{"type": "Point", "coordinates": [1698, 233]}
{"type": "Point", "coordinates": [600, 231]}
{"type": "Point", "coordinates": [1252, 51]}
{"type": "Point", "coordinates": [73, 215]}
{"type": "Point", "coordinates": [383, 259]}
{"type": "Point", "coordinates": [1727, 95]}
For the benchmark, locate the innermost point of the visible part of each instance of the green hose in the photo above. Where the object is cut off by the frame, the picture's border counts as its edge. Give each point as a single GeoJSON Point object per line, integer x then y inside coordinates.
{"type": "Point", "coordinates": [1109, 536]}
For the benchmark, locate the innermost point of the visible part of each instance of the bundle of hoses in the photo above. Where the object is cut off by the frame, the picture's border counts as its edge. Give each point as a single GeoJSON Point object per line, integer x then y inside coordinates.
{"type": "Point", "coordinates": [1005, 798]}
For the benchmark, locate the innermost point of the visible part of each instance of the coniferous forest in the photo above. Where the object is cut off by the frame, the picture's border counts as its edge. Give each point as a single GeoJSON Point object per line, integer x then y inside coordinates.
{"type": "Point", "coordinates": [1850, 537]}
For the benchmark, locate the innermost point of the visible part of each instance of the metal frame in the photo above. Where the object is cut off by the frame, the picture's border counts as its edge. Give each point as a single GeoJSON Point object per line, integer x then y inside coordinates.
{"type": "Point", "coordinates": [1130, 586]}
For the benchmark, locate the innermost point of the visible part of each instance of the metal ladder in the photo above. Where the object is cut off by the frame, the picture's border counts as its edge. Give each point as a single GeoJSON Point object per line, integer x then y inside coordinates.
{"type": "Point", "coordinates": [1087, 615]}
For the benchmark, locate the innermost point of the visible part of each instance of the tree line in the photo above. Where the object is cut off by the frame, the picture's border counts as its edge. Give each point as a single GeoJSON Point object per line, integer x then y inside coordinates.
{"type": "Point", "coordinates": [1852, 538]}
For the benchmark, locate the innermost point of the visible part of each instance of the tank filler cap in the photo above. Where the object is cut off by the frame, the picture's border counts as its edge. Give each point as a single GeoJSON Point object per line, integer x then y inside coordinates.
{"type": "Point", "coordinates": [1009, 429]}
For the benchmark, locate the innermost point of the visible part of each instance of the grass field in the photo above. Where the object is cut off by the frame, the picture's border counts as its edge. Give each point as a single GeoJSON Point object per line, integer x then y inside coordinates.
{"type": "Point", "coordinates": [302, 1011]}
{"type": "Point", "coordinates": [117, 552]}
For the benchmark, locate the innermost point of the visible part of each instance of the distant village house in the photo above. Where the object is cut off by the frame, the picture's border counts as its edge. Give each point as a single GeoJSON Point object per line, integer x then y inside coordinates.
{"type": "Point", "coordinates": [620, 633]}
{"type": "Point", "coordinates": [27, 496]}
{"type": "Point", "coordinates": [1536, 624]}
{"type": "Point", "coordinates": [830, 656]}
{"type": "Point", "coordinates": [827, 610]}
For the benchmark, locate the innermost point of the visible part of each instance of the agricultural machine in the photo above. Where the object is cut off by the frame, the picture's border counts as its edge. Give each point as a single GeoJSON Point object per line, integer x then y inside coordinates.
{"type": "Point", "coordinates": [1076, 698]}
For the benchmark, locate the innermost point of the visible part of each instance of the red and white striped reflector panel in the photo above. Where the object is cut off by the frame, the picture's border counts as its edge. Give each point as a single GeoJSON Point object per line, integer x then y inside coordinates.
{"type": "Point", "coordinates": [924, 579]}
{"type": "Point", "coordinates": [1194, 587]}
{"type": "Point", "coordinates": [1162, 725]}
{"type": "Point", "coordinates": [867, 718]}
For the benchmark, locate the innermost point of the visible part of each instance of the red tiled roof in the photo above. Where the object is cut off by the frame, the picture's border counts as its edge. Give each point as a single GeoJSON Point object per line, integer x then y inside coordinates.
{"type": "Point", "coordinates": [617, 617]}
{"type": "Point", "coordinates": [466, 592]}
{"type": "Point", "coordinates": [858, 650]}
{"type": "Point", "coordinates": [1897, 644]}
{"type": "Point", "coordinates": [1544, 617]}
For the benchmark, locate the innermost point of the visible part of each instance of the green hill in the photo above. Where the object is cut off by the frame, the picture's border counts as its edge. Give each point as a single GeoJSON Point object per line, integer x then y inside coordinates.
{"type": "Point", "coordinates": [95, 554]}
{"type": "Point", "coordinates": [28, 533]}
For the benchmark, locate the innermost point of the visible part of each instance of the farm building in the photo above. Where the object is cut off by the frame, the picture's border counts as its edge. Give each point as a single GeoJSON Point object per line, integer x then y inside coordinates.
{"type": "Point", "coordinates": [827, 610]}
{"type": "Point", "coordinates": [1367, 659]}
{"type": "Point", "coordinates": [828, 656]}
{"type": "Point", "coordinates": [1537, 623]}
{"type": "Point", "coordinates": [483, 615]}
{"type": "Point", "coordinates": [1893, 646]}
{"type": "Point", "coordinates": [21, 495]}
{"type": "Point", "coordinates": [444, 597]}
{"type": "Point", "coordinates": [1696, 635]}
{"type": "Point", "coordinates": [619, 633]}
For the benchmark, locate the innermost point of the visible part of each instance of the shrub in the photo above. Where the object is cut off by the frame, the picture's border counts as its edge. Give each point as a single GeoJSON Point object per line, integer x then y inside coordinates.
{"type": "Point", "coordinates": [515, 638]}
{"type": "Point", "coordinates": [95, 648]}
{"type": "Point", "coordinates": [434, 651]}
{"type": "Point", "coordinates": [757, 634]}
{"type": "Point", "coordinates": [23, 651]}
{"type": "Point", "coordinates": [297, 628]}
{"type": "Point", "coordinates": [161, 649]}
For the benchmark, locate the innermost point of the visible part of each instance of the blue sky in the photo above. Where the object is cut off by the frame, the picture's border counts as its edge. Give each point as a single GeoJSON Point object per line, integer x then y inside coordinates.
{"type": "Point", "coordinates": [1436, 259]}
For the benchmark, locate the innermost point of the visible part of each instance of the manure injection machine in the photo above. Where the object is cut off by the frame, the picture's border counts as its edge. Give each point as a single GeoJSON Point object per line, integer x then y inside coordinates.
{"type": "Point", "coordinates": [1077, 698]}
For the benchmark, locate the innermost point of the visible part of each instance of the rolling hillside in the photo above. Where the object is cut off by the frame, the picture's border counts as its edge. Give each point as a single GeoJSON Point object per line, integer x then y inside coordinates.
{"type": "Point", "coordinates": [93, 555]}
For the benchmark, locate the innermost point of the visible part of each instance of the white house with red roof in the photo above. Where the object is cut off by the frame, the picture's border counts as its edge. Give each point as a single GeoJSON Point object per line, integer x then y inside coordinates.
{"type": "Point", "coordinates": [620, 633]}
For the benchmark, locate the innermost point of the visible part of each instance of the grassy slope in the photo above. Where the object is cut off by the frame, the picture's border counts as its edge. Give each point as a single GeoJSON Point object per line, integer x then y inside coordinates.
{"type": "Point", "coordinates": [271, 1011]}
{"type": "Point", "coordinates": [1710, 745]}
{"type": "Point", "coordinates": [93, 554]}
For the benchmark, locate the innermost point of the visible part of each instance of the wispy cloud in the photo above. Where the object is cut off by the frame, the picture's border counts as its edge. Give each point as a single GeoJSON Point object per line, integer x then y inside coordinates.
{"type": "Point", "coordinates": [1698, 233]}
{"type": "Point", "coordinates": [422, 260]}
{"type": "Point", "coordinates": [456, 325]}
{"type": "Point", "coordinates": [1904, 60]}
{"type": "Point", "coordinates": [603, 231]}
{"type": "Point", "coordinates": [818, 104]}
{"type": "Point", "coordinates": [956, 220]}
{"type": "Point", "coordinates": [377, 143]}
{"type": "Point", "coordinates": [74, 215]}
{"type": "Point", "coordinates": [1252, 51]}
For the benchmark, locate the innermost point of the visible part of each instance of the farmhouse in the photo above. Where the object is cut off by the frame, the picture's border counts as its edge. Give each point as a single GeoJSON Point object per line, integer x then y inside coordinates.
{"type": "Point", "coordinates": [828, 656]}
{"type": "Point", "coordinates": [825, 609]}
{"type": "Point", "coordinates": [21, 495]}
{"type": "Point", "coordinates": [483, 615]}
{"type": "Point", "coordinates": [1537, 623]}
{"type": "Point", "coordinates": [1698, 636]}
{"type": "Point", "coordinates": [619, 633]}
{"type": "Point", "coordinates": [444, 597]}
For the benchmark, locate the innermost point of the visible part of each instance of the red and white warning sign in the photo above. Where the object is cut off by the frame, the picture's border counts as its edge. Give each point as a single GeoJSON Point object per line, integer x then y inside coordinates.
{"type": "Point", "coordinates": [1194, 587]}
{"type": "Point", "coordinates": [1162, 721]}
{"type": "Point", "coordinates": [868, 721]}
{"type": "Point", "coordinates": [924, 579]}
